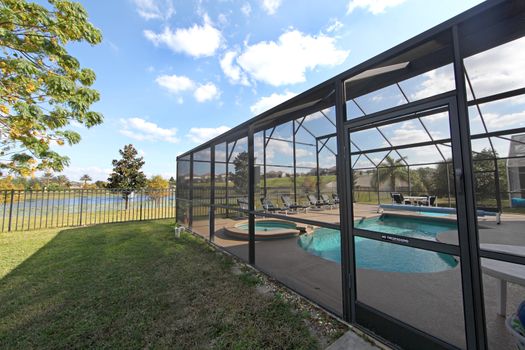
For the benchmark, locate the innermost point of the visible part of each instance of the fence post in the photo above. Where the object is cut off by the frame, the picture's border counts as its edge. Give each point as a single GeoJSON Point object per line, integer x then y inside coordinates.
{"type": "Point", "coordinates": [81, 205]}
{"type": "Point", "coordinates": [10, 210]}
{"type": "Point", "coordinates": [141, 198]}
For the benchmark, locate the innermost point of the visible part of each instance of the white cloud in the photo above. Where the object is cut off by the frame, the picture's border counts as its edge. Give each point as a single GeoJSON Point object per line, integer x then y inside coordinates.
{"type": "Point", "coordinates": [271, 6]}
{"type": "Point", "coordinates": [405, 133]}
{"type": "Point", "coordinates": [155, 9]}
{"type": "Point", "coordinates": [287, 60]}
{"type": "Point", "coordinates": [196, 41]}
{"type": "Point", "coordinates": [495, 121]}
{"type": "Point", "coordinates": [405, 136]}
{"type": "Point", "coordinates": [206, 92]}
{"type": "Point", "coordinates": [267, 102]}
{"type": "Point", "coordinates": [175, 83]}
{"type": "Point", "coordinates": [435, 82]}
{"type": "Point", "coordinates": [497, 70]}
{"type": "Point", "coordinates": [200, 135]}
{"type": "Point", "coordinates": [142, 130]}
{"type": "Point", "coordinates": [334, 26]}
{"type": "Point", "coordinates": [246, 9]}
{"type": "Point", "coordinates": [373, 6]}
{"type": "Point", "coordinates": [233, 72]}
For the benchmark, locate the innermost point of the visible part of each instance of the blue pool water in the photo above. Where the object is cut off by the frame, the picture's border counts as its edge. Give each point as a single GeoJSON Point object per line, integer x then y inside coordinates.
{"type": "Point", "coordinates": [383, 256]}
{"type": "Point", "coordinates": [269, 225]}
{"type": "Point", "coordinates": [428, 213]}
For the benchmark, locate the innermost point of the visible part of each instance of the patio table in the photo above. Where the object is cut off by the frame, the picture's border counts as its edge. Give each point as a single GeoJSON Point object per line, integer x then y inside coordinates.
{"type": "Point", "coordinates": [504, 272]}
{"type": "Point", "coordinates": [415, 198]}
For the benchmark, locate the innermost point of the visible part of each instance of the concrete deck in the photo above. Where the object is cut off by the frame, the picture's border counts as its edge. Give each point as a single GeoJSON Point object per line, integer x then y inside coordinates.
{"type": "Point", "coordinates": [350, 340]}
{"type": "Point", "coordinates": [431, 302]}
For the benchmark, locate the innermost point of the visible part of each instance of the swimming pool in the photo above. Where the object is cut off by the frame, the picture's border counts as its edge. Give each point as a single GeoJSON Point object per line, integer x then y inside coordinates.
{"type": "Point", "coordinates": [268, 225]}
{"type": "Point", "coordinates": [383, 256]}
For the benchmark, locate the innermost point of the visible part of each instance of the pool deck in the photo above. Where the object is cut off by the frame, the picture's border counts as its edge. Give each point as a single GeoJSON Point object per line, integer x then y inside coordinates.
{"type": "Point", "coordinates": [431, 302]}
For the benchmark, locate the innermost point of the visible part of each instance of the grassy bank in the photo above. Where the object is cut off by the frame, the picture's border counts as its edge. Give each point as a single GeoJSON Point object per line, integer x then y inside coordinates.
{"type": "Point", "coordinates": [133, 285]}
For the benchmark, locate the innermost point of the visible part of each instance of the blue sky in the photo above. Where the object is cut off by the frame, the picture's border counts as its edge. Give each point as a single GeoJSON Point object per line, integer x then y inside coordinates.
{"type": "Point", "coordinates": [175, 73]}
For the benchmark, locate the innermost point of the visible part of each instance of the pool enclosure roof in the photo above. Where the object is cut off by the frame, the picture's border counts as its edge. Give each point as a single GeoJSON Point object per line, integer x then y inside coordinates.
{"type": "Point", "coordinates": [487, 25]}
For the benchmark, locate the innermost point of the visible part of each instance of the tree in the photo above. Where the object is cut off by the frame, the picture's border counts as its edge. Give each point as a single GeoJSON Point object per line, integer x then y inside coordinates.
{"type": "Point", "coordinates": [240, 177]}
{"type": "Point", "coordinates": [172, 182]}
{"type": "Point", "coordinates": [394, 169]}
{"type": "Point", "coordinates": [63, 182]}
{"type": "Point", "coordinates": [127, 176]}
{"type": "Point", "coordinates": [309, 184]}
{"type": "Point", "coordinates": [42, 87]}
{"type": "Point", "coordinates": [100, 184]}
{"type": "Point", "coordinates": [157, 187]}
{"type": "Point", "coordinates": [7, 183]}
{"type": "Point", "coordinates": [484, 168]}
{"type": "Point", "coordinates": [47, 177]}
{"type": "Point", "coordinates": [443, 179]}
{"type": "Point", "coordinates": [86, 178]}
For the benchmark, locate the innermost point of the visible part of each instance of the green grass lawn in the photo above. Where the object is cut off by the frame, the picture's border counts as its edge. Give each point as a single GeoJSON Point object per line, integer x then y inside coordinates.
{"type": "Point", "coordinates": [133, 285]}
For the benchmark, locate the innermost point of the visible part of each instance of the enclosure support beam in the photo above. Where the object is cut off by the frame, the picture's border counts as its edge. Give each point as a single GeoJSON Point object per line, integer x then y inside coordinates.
{"type": "Point", "coordinates": [190, 206]}
{"type": "Point", "coordinates": [377, 184]}
{"type": "Point", "coordinates": [264, 163]}
{"type": "Point", "coordinates": [227, 178]}
{"type": "Point", "coordinates": [448, 186]}
{"type": "Point", "coordinates": [294, 164]}
{"type": "Point", "coordinates": [344, 188]}
{"type": "Point", "coordinates": [472, 282]}
{"type": "Point", "coordinates": [409, 185]}
{"type": "Point", "coordinates": [496, 185]}
{"type": "Point", "coordinates": [251, 198]}
{"type": "Point", "coordinates": [318, 176]}
{"type": "Point", "coordinates": [212, 193]}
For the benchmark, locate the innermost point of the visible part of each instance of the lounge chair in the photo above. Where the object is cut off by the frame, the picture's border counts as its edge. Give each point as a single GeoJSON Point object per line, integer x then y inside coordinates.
{"type": "Point", "coordinates": [327, 201]}
{"type": "Point", "coordinates": [399, 199]}
{"type": "Point", "coordinates": [335, 197]}
{"type": "Point", "coordinates": [268, 206]}
{"type": "Point", "coordinates": [314, 202]}
{"type": "Point", "coordinates": [289, 205]}
{"type": "Point", "coordinates": [243, 203]}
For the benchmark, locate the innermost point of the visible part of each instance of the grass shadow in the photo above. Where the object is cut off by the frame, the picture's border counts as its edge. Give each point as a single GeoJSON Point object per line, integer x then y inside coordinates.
{"type": "Point", "coordinates": [134, 285]}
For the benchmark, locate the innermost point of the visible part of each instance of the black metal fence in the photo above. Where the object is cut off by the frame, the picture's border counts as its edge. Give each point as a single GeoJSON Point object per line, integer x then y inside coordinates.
{"type": "Point", "coordinates": [22, 210]}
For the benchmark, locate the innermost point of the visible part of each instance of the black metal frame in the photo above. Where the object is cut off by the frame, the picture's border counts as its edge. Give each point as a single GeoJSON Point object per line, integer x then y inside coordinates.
{"type": "Point", "coordinates": [487, 25]}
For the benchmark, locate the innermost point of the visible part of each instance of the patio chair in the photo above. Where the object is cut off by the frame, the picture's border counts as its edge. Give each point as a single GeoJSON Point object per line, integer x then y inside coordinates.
{"type": "Point", "coordinates": [429, 202]}
{"type": "Point", "coordinates": [288, 204]}
{"type": "Point", "coordinates": [268, 206]}
{"type": "Point", "coordinates": [335, 197]}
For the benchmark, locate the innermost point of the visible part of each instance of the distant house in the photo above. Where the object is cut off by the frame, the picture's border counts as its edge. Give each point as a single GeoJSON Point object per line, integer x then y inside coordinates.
{"type": "Point", "coordinates": [516, 167]}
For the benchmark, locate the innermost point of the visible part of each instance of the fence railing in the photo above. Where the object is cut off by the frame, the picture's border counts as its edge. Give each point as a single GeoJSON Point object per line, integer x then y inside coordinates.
{"type": "Point", "coordinates": [22, 210]}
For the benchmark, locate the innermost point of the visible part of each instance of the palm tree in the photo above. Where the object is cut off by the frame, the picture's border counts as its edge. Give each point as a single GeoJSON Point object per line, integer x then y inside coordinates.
{"type": "Point", "coordinates": [391, 170]}
{"type": "Point", "coordinates": [85, 178]}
